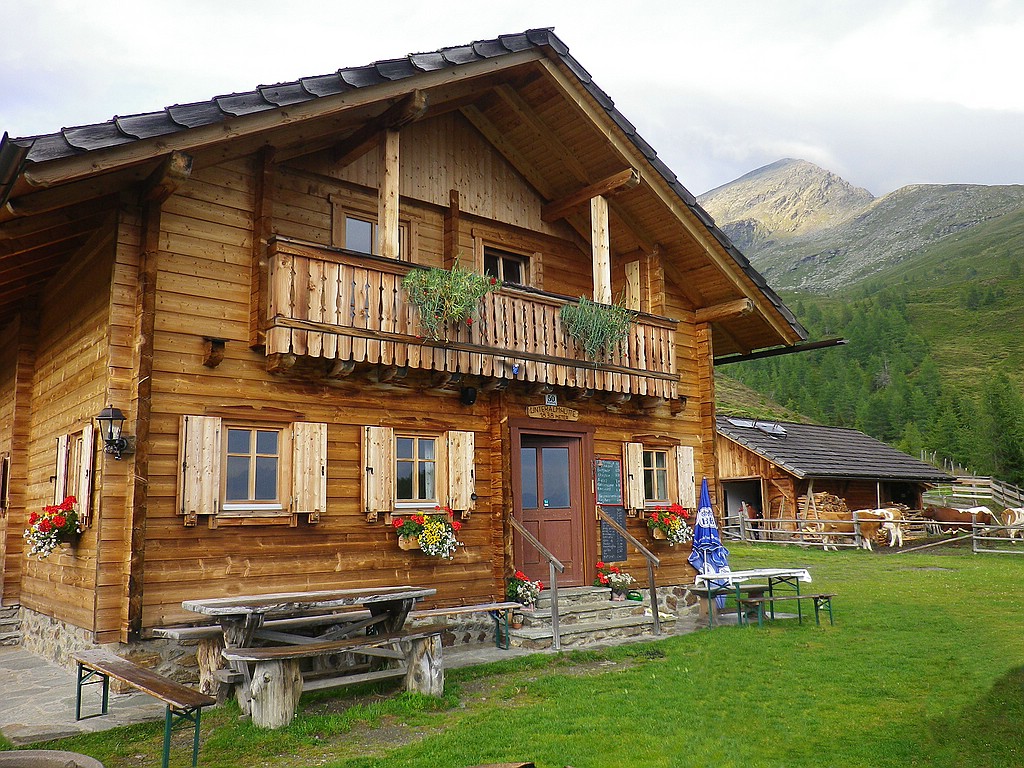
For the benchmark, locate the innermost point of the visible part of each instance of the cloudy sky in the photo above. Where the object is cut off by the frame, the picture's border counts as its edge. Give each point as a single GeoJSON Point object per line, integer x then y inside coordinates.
{"type": "Point", "coordinates": [883, 92]}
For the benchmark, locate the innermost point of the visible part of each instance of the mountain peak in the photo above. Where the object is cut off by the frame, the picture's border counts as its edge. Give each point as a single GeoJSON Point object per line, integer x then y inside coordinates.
{"type": "Point", "coordinates": [782, 200]}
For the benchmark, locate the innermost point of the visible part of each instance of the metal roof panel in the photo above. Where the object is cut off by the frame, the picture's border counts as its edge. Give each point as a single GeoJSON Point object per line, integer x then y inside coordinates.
{"type": "Point", "coordinates": [283, 94]}
{"type": "Point", "coordinates": [147, 125]}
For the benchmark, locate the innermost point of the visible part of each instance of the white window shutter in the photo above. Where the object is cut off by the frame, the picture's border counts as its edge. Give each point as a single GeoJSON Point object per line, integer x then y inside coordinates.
{"type": "Point", "coordinates": [686, 488]}
{"type": "Point", "coordinates": [461, 470]}
{"type": "Point", "coordinates": [83, 484]}
{"type": "Point", "coordinates": [60, 482]}
{"type": "Point", "coordinates": [200, 457]}
{"type": "Point", "coordinates": [378, 471]}
{"type": "Point", "coordinates": [633, 475]}
{"type": "Point", "coordinates": [309, 469]}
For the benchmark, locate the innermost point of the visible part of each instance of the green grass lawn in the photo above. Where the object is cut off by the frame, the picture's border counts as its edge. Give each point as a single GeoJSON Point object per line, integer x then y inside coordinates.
{"type": "Point", "coordinates": [925, 666]}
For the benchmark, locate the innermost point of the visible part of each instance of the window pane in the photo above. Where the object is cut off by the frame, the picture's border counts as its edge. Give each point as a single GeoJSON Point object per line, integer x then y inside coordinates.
{"type": "Point", "coordinates": [650, 492]}
{"type": "Point", "coordinates": [239, 440]}
{"type": "Point", "coordinates": [426, 446]}
{"type": "Point", "coordinates": [266, 442]}
{"type": "Point", "coordinates": [237, 488]}
{"type": "Point", "coordinates": [491, 266]}
{"type": "Point", "coordinates": [556, 477]}
{"type": "Point", "coordinates": [403, 481]}
{"type": "Point", "coordinates": [358, 235]}
{"type": "Point", "coordinates": [266, 478]}
{"type": "Point", "coordinates": [528, 459]}
{"type": "Point", "coordinates": [660, 459]}
{"type": "Point", "coordinates": [513, 273]}
{"type": "Point", "coordinates": [662, 480]}
{"type": "Point", "coordinates": [426, 480]}
{"type": "Point", "coordinates": [403, 447]}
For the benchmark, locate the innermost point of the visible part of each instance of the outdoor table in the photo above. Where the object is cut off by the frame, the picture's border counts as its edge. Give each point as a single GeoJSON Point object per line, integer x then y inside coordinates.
{"type": "Point", "coordinates": [788, 577]}
{"type": "Point", "coordinates": [242, 615]}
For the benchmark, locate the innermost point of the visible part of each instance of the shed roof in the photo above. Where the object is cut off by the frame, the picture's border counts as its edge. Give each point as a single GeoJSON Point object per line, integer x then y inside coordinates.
{"type": "Point", "coordinates": [811, 451]}
{"type": "Point", "coordinates": [18, 155]}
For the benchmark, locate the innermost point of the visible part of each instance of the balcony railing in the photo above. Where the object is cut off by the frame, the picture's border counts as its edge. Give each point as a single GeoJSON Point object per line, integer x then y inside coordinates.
{"type": "Point", "coordinates": [342, 306]}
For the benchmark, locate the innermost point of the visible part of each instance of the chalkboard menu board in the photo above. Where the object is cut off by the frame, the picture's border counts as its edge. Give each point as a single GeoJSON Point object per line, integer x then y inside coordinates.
{"type": "Point", "coordinates": [613, 545]}
{"type": "Point", "coordinates": [608, 481]}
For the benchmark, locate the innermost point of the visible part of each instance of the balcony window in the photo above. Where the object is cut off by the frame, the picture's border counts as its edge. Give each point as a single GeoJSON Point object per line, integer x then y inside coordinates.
{"type": "Point", "coordinates": [506, 266]}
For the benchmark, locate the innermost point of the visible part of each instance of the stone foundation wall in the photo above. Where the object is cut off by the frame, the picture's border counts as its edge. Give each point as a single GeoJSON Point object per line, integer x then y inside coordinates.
{"type": "Point", "coordinates": [58, 641]}
{"type": "Point", "coordinates": [10, 625]}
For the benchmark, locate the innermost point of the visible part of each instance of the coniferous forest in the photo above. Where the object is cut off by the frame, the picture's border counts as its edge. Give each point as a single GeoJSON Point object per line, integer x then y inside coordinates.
{"type": "Point", "coordinates": [885, 382]}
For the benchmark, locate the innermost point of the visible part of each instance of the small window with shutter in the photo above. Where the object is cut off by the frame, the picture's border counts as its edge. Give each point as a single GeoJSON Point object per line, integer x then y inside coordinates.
{"type": "Point", "coordinates": [658, 475]}
{"type": "Point", "coordinates": [73, 471]}
{"type": "Point", "coordinates": [241, 473]}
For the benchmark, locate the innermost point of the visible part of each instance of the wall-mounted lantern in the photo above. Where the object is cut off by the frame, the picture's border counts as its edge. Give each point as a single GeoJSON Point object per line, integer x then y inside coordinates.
{"type": "Point", "coordinates": [111, 422]}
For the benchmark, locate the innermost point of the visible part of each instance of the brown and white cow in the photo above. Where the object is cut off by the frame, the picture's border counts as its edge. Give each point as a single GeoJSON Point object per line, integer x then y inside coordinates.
{"type": "Point", "coordinates": [950, 520]}
{"type": "Point", "coordinates": [1013, 519]}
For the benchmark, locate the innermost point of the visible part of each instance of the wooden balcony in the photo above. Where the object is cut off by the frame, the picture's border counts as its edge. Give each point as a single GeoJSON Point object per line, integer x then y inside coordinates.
{"type": "Point", "coordinates": [341, 306]}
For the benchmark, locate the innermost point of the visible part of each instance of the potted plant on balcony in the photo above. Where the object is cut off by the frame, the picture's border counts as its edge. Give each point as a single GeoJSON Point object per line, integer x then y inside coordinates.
{"type": "Point", "coordinates": [597, 328]}
{"type": "Point", "coordinates": [669, 524]}
{"type": "Point", "coordinates": [57, 524]}
{"type": "Point", "coordinates": [446, 298]}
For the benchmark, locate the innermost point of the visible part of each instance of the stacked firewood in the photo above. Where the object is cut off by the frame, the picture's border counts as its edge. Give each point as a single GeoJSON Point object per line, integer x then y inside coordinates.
{"type": "Point", "coordinates": [825, 506]}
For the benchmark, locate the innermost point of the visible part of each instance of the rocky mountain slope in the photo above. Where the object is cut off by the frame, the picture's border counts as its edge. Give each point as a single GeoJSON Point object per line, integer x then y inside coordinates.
{"type": "Point", "coordinates": [805, 228]}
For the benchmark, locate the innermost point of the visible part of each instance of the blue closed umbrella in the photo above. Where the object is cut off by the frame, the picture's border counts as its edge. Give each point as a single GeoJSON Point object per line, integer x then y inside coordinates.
{"type": "Point", "coordinates": [708, 556]}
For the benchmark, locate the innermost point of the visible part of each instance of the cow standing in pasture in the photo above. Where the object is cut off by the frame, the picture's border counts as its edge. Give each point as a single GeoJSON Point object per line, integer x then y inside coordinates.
{"type": "Point", "coordinates": [950, 520]}
{"type": "Point", "coordinates": [1013, 519]}
{"type": "Point", "coordinates": [876, 525]}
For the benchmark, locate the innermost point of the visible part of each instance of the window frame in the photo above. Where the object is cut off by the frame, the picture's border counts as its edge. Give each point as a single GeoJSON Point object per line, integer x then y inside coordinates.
{"type": "Point", "coordinates": [654, 452]}
{"type": "Point", "coordinates": [503, 254]}
{"type": "Point", "coordinates": [343, 210]}
{"type": "Point", "coordinates": [439, 461]}
{"type": "Point", "coordinates": [284, 469]}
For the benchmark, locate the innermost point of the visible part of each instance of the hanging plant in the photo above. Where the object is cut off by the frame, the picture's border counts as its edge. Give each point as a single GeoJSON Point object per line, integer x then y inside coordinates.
{"type": "Point", "coordinates": [598, 328]}
{"type": "Point", "coordinates": [446, 298]}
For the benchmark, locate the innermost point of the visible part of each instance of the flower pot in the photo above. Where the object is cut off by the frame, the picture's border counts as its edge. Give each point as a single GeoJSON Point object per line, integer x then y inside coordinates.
{"type": "Point", "coordinates": [618, 597]}
{"type": "Point", "coordinates": [658, 533]}
{"type": "Point", "coordinates": [408, 542]}
{"type": "Point", "coordinates": [517, 621]}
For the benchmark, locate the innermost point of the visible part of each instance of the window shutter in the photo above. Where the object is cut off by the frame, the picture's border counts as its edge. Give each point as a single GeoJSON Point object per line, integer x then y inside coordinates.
{"type": "Point", "coordinates": [83, 484]}
{"type": "Point", "coordinates": [199, 453]}
{"type": "Point", "coordinates": [633, 466]}
{"type": "Point", "coordinates": [60, 482]}
{"type": "Point", "coordinates": [461, 470]}
{"type": "Point", "coordinates": [686, 489]}
{"type": "Point", "coordinates": [378, 471]}
{"type": "Point", "coordinates": [309, 469]}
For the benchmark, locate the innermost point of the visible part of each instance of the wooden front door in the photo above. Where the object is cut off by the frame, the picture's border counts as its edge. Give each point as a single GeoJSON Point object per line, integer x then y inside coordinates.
{"type": "Point", "coordinates": [547, 477]}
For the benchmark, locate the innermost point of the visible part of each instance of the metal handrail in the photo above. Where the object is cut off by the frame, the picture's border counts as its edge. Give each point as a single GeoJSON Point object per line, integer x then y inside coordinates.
{"type": "Point", "coordinates": [553, 564]}
{"type": "Point", "coordinates": [652, 561]}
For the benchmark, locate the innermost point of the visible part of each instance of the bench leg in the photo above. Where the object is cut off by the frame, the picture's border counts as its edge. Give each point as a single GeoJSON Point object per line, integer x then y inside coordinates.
{"type": "Point", "coordinates": [424, 671]}
{"type": "Point", "coordinates": [501, 636]}
{"type": "Point", "coordinates": [817, 612]}
{"type": "Point", "coordinates": [189, 715]}
{"type": "Point", "coordinates": [85, 677]}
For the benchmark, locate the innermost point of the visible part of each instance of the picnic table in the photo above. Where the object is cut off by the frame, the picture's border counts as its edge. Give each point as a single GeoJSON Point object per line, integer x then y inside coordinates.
{"type": "Point", "coordinates": [732, 581]}
{"type": "Point", "coordinates": [369, 621]}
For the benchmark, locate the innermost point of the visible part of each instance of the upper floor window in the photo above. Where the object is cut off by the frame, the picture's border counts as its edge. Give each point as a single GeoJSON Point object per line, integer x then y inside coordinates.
{"type": "Point", "coordinates": [356, 230]}
{"type": "Point", "coordinates": [506, 266]}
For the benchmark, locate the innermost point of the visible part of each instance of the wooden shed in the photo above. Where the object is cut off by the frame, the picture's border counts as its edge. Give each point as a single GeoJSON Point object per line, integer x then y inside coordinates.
{"type": "Point", "coordinates": [228, 274]}
{"type": "Point", "coordinates": [770, 465]}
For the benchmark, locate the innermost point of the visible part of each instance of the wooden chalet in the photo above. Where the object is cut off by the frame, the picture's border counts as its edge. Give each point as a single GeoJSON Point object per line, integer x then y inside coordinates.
{"type": "Point", "coordinates": [771, 465]}
{"type": "Point", "coordinates": [227, 273]}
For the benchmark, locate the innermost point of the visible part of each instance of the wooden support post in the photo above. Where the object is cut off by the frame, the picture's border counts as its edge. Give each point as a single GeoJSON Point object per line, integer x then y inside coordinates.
{"type": "Point", "coordinates": [452, 218]}
{"type": "Point", "coordinates": [633, 285]}
{"type": "Point", "coordinates": [601, 244]}
{"type": "Point", "coordinates": [424, 665]}
{"type": "Point", "coordinates": [276, 688]}
{"type": "Point", "coordinates": [387, 199]}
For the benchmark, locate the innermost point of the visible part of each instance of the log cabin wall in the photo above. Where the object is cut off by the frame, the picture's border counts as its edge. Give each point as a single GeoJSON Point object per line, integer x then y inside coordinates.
{"type": "Point", "coordinates": [17, 359]}
{"type": "Point", "coordinates": [68, 387]}
{"type": "Point", "coordinates": [203, 290]}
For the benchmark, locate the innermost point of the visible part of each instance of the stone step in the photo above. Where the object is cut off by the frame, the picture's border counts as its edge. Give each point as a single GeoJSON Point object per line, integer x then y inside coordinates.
{"type": "Point", "coordinates": [591, 612]}
{"type": "Point", "coordinates": [589, 633]}
{"type": "Point", "coordinates": [575, 596]}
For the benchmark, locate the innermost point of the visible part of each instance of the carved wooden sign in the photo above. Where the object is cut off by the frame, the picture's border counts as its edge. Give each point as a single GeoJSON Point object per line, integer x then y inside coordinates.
{"type": "Point", "coordinates": [556, 412]}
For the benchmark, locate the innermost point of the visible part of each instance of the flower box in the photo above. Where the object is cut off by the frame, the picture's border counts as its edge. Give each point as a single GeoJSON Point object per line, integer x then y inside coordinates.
{"type": "Point", "coordinates": [408, 542]}
{"type": "Point", "coordinates": [658, 533]}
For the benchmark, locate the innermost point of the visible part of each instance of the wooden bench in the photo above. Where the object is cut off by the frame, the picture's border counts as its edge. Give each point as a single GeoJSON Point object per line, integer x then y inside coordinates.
{"type": "Point", "coordinates": [820, 600]}
{"type": "Point", "coordinates": [277, 681]}
{"type": "Point", "coordinates": [499, 612]}
{"type": "Point", "coordinates": [745, 590]}
{"type": "Point", "coordinates": [182, 703]}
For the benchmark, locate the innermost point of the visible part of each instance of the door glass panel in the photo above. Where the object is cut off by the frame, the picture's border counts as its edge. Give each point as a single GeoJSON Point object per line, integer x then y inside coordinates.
{"type": "Point", "coordinates": [556, 477]}
{"type": "Point", "coordinates": [528, 459]}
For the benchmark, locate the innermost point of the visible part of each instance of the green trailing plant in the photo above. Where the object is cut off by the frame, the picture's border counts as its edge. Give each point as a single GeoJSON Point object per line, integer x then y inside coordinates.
{"type": "Point", "coordinates": [446, 298]}
{"type": "Point", "coordinates": [598, 328]}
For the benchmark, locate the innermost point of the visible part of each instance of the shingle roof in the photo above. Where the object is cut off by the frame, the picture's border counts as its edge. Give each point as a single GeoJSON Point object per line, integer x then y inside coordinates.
{"type": "Point", "coordinates": [68, 142]}
{"type": "Point", "coordinates": [811, 450]}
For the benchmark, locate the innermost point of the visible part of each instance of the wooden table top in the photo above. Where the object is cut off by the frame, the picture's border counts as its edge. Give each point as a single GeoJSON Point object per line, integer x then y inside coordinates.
{"type": "Point", "coordinates": [291, 602]}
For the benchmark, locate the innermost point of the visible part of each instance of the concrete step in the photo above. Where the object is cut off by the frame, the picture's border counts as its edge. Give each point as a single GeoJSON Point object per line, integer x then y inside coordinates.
{"type": "Point", "coordinates": [581, 613]}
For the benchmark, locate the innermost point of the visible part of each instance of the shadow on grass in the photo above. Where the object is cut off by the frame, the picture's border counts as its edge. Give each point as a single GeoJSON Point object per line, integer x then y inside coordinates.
{"type": "Point", "coordinates": [985, 733]}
